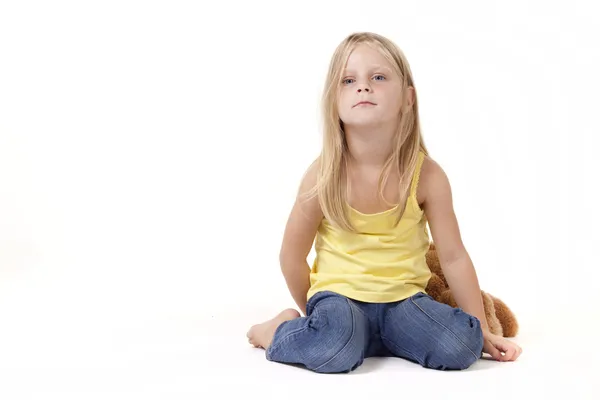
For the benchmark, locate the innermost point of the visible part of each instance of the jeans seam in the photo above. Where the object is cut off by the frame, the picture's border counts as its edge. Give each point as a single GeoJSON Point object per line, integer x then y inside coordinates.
{"type": "Point", "coordinates": [445, 327]}
{"type": "Point", "coordinates": [398, 348]}
{"type": "Point", "coordinates": [349, 340]}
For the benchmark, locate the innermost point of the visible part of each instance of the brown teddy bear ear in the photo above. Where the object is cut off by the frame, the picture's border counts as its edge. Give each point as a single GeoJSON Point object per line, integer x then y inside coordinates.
{"type": "Point", "coordinates": [433, 262]}
{"type": "Point", "coordinates": [431, 253]}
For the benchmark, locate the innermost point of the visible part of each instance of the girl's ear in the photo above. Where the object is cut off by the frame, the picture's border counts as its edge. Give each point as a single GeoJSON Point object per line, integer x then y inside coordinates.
{"type": "Point", "coordinates": [410, 96]}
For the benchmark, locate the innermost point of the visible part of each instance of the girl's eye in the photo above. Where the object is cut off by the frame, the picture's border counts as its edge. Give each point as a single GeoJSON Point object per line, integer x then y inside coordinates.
{"type": "Point", "coordinates": [347, 81]}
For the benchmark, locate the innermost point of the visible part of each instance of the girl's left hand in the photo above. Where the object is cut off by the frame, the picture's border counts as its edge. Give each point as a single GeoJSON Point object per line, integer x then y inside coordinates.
{"type": "Point", "coordinates": [495, 345]}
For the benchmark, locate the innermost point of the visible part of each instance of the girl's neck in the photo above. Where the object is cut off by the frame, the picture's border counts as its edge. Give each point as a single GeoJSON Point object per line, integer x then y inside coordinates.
{"type": "Point", "coordinates": [369, 147]}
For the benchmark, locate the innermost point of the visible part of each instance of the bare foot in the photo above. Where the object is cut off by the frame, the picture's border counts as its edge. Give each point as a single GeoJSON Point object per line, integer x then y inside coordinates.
{"type": "Point", "coordinates": [261, 335]}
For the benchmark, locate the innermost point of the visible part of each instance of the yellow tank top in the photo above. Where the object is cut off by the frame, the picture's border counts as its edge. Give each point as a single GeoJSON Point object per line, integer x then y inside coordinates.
{"type": "Point", "coordinates": [381, 263]}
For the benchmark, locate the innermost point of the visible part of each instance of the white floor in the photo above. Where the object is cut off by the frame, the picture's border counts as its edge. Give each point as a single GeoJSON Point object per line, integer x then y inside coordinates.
{"type": "Point", "coordinates": [64, 343]}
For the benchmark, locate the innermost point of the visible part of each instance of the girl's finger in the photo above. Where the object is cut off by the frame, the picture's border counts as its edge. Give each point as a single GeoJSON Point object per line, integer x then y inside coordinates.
{"type": "Point", "coordinates": [510, 354]}
{"type": "Point", "coordinates": [494, 352]}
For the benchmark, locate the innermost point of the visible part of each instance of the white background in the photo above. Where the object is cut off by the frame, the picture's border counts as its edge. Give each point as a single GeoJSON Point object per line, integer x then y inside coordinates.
{"type": "Point", "coordinates": [150, 153]}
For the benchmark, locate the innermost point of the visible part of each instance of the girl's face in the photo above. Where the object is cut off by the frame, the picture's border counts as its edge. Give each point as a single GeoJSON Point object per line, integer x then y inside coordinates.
{"type": "Point", "coordinates": [370, 91]}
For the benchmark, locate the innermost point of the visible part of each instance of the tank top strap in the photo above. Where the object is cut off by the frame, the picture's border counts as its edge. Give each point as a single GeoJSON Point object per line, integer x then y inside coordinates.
{"type": "Point", "coordinates": [417, 174]}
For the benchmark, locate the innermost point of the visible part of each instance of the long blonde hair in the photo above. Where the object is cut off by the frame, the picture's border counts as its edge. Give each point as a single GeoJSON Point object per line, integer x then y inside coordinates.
{"type": "Point", "coordinates": [331, 186]}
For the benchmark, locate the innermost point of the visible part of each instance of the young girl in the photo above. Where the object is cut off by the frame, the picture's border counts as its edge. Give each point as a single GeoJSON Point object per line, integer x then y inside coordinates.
{"type": "Point", "coordinates": [367, 199]}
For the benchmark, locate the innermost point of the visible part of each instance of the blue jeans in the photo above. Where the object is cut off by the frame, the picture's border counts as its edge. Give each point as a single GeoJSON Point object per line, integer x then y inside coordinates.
{"type": "Point", "coordinates": [338, 333]}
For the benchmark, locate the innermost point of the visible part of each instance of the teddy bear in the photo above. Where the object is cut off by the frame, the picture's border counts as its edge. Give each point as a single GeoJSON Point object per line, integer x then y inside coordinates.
{"type": "Point", "coordinates": [500, 318]}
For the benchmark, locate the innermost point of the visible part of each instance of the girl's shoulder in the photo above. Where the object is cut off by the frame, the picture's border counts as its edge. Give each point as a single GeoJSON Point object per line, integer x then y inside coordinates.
{"type": "Point", "coordinates": [435, 195]}
{"type": "Point", "coordinates": [433, 181]}
{"type": "Point", "coordinates": [429, 167]}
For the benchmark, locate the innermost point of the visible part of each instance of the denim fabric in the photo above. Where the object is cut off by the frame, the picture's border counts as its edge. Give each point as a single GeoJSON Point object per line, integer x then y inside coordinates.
{"type": "Point", "coordinates": [339, 333]}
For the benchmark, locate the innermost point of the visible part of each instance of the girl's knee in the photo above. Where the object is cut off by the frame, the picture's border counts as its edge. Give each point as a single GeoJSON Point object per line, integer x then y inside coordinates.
{"type": "Point", "coordinates": [460, 347]}
{"type": "Point", "coordinates": [459, 341]}
{"type": "Point", "coordinates": [341, 337]}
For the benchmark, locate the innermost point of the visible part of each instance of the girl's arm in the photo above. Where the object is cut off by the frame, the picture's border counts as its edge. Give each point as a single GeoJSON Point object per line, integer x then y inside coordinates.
{"type": "Point", "coordinates": [455, 261]}
{"type": "Point", "coordinates": [298, 239]}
